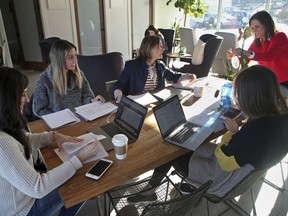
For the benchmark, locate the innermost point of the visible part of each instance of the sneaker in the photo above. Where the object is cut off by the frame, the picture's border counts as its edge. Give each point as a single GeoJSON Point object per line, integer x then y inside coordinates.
{"type": "Point", "coordinates": [139, 197]}
{"type": "Point", "coordinates": [185, 188]}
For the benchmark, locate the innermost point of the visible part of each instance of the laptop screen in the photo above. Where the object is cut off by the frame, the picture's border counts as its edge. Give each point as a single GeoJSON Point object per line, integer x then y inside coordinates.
{"type": "Point", "coordinates": [169, 115]}
{"type": "Point", "coordinates": [130, 116]}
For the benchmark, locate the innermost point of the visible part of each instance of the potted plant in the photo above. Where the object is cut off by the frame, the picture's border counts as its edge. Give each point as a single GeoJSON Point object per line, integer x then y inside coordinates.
{"type": "Point", "coordinates": [195, 8]}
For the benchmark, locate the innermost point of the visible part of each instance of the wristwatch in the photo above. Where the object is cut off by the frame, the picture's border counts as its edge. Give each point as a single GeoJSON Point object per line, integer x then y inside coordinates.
{"type": "Point", "coordinates": [252, 55]}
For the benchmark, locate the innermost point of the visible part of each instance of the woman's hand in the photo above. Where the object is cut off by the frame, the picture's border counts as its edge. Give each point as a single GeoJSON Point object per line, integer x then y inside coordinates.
{"type": "Point", "coordinates": [240, 52]}
{"type": "Point", "coordinates": [231, 125]}
{"type": "Point", "coordinates": [191, 77]}
{"type": "Point", "coordinates": [98, 98]}
{"type": "Point", "coordinates": [229, 54]}
{"type": "Point", "coordinates": [118, 95]}
{"type": "Point", "coordinates": [88, 151]}
{"type": "Point", "coordinates": [61, 138]}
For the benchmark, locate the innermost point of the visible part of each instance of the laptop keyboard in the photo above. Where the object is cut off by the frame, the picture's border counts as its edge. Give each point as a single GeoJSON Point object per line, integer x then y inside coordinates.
{"type": "Point", "coordinates": [185, 133]}
{"type": "Point", "coordinates": [112, 129]}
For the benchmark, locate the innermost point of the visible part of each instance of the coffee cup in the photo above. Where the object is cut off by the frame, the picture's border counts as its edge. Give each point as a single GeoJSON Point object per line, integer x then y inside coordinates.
{"type": "Point", "coordinates": [120, 143]}
{"type": "Point", "coordinates": [198, 91]}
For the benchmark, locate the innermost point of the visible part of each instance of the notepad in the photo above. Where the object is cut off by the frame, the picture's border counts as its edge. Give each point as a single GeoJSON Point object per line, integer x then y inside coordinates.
{"type": "Point", "coordinates": [69, 149]}
{"type": "Point", "coordinates": [60, 118]}
{"type": "Point", "coordinates": [95, 110]}
{"type": "Point", "coordinates": [143, 99]}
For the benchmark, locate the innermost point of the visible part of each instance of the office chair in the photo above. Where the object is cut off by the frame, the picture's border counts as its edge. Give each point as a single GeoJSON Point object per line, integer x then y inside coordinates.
{"type": "Point", "coordinates": [170, 201]}
{"type": "Point", "coordinates": [188, 39]}
{"type": "Point", "coordinates": [169, 35]}
{"type": "Point", "coordinates": [245, 184]}
{"type": "Point", "coordinates": [99, 69]}
{"type": "Point", "coordinates": [45, 46]}
{"type": "Point", "coordinates": [229, 42]}
{"type": "Point", "coordinates": [212, 44]}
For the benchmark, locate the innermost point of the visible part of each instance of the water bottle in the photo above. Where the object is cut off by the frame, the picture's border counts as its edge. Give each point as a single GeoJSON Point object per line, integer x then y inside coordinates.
{"type": "Point", "coordinates": [226, 96]}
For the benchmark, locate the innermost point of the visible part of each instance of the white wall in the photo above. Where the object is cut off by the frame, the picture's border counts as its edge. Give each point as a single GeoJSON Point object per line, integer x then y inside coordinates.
{"type": "Point", "coordinates": [58, 19]}
{"type": "Point", "coordinates": [164, 15]}
{"type": "Point", "coordinates": [140, 21]}
{"type": "Point", "coordinates": [118, 30]}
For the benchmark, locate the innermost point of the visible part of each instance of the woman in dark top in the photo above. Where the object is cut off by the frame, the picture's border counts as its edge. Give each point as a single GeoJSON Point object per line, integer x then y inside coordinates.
{"type": "Point", "coordinates": [147, 73]}
{"type": "Point", "coordinates": [261, 143]}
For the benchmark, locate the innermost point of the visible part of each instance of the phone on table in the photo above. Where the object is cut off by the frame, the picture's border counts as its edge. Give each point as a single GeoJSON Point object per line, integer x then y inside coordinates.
{"type": "Point", "coordinates": [99, 169]}
{"type": "Point", "coordinates": [232, 113]}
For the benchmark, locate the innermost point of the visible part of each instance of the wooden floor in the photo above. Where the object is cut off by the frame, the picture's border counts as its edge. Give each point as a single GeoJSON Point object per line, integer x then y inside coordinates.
{"type": "Point", "coordinates": [268, 200]}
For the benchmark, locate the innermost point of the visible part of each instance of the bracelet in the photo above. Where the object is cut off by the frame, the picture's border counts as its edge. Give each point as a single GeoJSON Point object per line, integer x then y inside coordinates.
{"type": "Point", "coordinates": [52, 135]}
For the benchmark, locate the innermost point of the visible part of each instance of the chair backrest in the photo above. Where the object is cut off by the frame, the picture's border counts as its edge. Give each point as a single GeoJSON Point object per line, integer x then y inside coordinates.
{"type": "Point", "coordinates": [45, 46]}
{"type": "Point", "coordinates": [178, 206]}
{"type": "Point", "coordinates": [229, 42]}
{"type": "Point", "coordinates": [99, 69]}
{"type": "Point", "coordinates": [188, 38]}
{"type": "Point", "coordinates": [245, 184]}
{"type": "Point", "coordinates": [169, 38]}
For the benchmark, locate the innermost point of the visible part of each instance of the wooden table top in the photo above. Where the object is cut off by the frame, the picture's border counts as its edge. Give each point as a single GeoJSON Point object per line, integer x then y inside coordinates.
{"type": "Point", "coordinates": [148, 152]}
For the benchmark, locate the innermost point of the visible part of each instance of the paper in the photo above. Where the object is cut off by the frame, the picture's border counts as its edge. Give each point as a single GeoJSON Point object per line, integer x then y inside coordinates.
{"type": "Point", "coordinates": [95, 110]}
{"type": "Point", "coordinates": [190, 85]}
{"type": "Point", "coordinates": [144, 99]}
{"type": "Point", "coordinates": [74, 148]}
{"type": "Point", "coordinates": [60, 118]}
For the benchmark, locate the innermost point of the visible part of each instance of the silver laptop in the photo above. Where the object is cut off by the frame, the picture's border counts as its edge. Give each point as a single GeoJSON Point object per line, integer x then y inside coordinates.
{"type": "Point", "coordinates": [129, 119]}
{"type": "Point", "coordinates": [175, 129]}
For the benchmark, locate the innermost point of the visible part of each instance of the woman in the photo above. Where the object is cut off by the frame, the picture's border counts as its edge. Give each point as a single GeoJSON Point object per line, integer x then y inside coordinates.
{"type": "Point", "coordinates": [24, 191]}
{"type": "Point", "coordinates": [259, 144]}
{"type": "Point", "coordinates": [62, 85]}
{"type": "Point", "coordinates": [270, 47]}
{"type": "Point", "coordinates": [147, 73]}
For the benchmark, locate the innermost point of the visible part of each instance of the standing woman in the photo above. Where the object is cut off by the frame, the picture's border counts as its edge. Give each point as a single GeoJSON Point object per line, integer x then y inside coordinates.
{"type": "Point", "coordinates": [270, 47]}
{"type": "Point", "coordinates": [62, 85]}
{"type": "Point", "coordinates": [23, 191]}
{"type": "Point", "coordinates": [147, 72]}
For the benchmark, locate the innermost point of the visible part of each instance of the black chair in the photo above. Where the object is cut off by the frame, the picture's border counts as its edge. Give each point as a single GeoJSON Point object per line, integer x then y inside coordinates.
{"type": "Point", "coordinates": [28, 112]}
{"type": "Point", "coordinates": [99, 69]}
{"type": "Point", "coordinates": [45, 46]}
{"type": "Point", "coordinates": [244, 185]}
{"type": "Point", "coordinates": [169, 35]}
{"type": "Point", "coordinates": [170, 201]}
{"type": "Point", "coordinates": [212, 46]}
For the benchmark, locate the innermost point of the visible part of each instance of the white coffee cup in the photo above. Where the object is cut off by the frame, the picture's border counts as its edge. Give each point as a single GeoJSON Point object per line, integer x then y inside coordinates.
{"type": "Point", "coordinates": [198, 90]}
{"type": "Point", "coordinates": [120, 143]}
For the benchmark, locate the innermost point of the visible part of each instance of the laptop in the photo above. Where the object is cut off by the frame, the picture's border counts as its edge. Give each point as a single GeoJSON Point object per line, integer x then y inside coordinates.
{"type": "Point", "coordinates": [129, 119]}
{"type": "Point", "coordinates": [174, 127]}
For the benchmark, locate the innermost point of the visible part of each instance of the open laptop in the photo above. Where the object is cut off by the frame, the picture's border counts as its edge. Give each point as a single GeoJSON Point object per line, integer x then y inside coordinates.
{"type": "Point", "coordinates": [175, 129]}
{"type": "Point", "coordinates": [129, 119]}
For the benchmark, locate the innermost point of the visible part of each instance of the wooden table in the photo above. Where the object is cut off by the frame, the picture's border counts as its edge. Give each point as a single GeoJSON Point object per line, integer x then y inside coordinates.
{"type": "Point", "coordinates": [148, 152]}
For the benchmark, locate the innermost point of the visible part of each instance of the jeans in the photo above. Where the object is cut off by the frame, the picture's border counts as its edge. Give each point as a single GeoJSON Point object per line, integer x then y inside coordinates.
{"type": "Point", "coordinates": [51, 204]}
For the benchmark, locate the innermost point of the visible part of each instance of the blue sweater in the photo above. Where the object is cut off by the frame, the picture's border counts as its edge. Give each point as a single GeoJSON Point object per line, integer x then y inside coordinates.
{"type": "Point", "coordinates": [133, 78]}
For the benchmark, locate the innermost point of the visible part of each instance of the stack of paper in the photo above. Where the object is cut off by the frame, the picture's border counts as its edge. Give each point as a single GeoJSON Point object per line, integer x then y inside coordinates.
{"type": "Point", "coordinates": [70, 149]}
{"type": "Point", "coordinates": [60, 118]}
{"type": "Point", "coordinates": [190, 85]}
{"type": "Point", "coordinates": [95, 110]}
{"type": "Point", "coordinates": [144, 99]}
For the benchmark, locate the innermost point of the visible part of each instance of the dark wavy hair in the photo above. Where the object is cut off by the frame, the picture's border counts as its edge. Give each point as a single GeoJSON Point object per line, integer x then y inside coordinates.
{"type": "Point", "coordinates": [147, 44]}
{"type": "Point", "coordinates": [257, 92]}
{"type": "Point", "coordinates": [151, 28]}
{"type": "Point", "coordinates": [12, 85]}
{"type": "Point", "coordinates": [266, 20]}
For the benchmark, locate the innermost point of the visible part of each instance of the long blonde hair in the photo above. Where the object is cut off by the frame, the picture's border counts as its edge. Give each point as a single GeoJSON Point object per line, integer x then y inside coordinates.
{"type": "Point", "coordinates": [58, 54]}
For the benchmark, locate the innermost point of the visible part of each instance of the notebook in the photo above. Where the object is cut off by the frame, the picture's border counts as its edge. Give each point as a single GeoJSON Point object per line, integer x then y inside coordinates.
{"type": "Point", "coordinates": [129, 119]}
{"type": "Point", "coordinates": [174, 127]}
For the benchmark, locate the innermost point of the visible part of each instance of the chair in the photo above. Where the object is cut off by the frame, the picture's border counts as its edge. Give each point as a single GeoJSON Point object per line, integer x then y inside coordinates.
{"type": "Point", "coordinates": [213, 42]}
{"type": "Point", "coordinates": [169, 35]}
{"type": "Point", "coordinates": [245, 184]}
{"type": "Point", "coordinates": [170, 201]}
{"type": "Point", "coordinates": [229, 42]}
{"type": "Point", "coordinates": [45, 46]}
{"type": "Point", "coordinates": [188, 39]}
{"type": "Point", "coordinates": [28, 111]}
{"type": "Point", "coordinates": [99, 69]}
{"type": "Point", "coordinates": [109, 90]}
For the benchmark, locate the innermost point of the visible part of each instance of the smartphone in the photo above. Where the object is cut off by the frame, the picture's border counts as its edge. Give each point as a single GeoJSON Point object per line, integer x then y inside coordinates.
{"type": "Point", "coordinates": [232, 113]}
{"type": "Point", "coordinates": [99, 169]}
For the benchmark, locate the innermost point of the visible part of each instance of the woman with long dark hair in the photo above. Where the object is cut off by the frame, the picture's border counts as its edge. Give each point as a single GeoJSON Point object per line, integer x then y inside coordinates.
{"type": "Point", "coordinates": [23, 190]}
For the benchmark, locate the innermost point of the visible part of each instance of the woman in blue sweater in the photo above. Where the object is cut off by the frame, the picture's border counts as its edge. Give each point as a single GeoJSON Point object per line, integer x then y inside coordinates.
{"type": "Point", "coordinates": [147, 72]}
